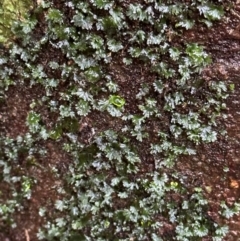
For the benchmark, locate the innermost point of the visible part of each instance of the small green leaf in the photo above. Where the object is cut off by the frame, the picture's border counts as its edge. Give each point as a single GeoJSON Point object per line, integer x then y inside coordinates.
{"type": "Point", "coordinates": [174, 184]}
{"type": "Point", "coordinates": [117, 100]}
{"type": "Point", "coordinates": [232, 87]}
{"type": "Point", "coordinates": [55, 15]}
{"type": "Point", "coordinates": [187, 24]}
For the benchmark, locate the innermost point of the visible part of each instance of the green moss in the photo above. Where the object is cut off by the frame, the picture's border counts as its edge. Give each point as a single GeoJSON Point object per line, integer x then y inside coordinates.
{"type": "Point", "coordinates": [10, 11]}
